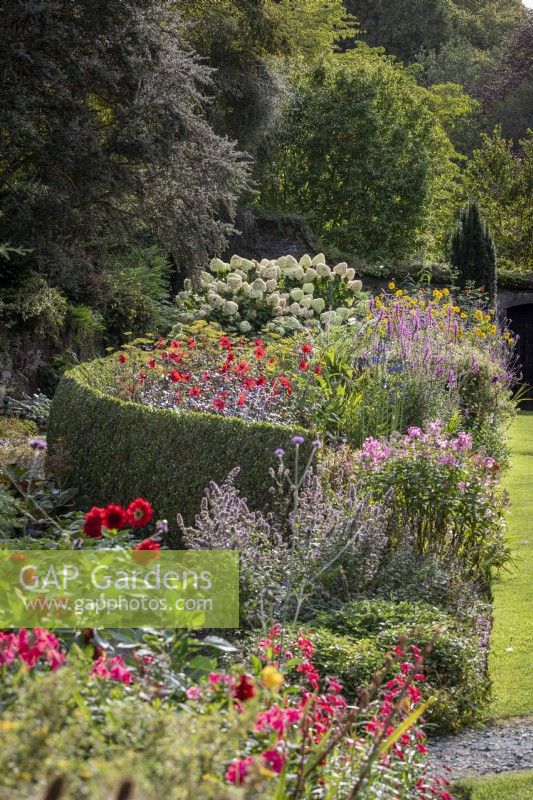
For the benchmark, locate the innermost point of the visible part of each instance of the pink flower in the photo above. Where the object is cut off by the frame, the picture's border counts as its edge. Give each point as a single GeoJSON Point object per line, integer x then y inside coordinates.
{"type": "Point", "coordinates": [238, 769]}
{"type": "Point", "coordinates": [193, 693]}
{"type": "Point", "coordinates": [274, 760]}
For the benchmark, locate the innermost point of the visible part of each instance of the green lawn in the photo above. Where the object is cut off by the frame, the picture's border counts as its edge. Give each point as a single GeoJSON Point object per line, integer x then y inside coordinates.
{"type": "Point", "coordinates": [509, 786]}
{"type": "Point", "coordinates": [511, 655]}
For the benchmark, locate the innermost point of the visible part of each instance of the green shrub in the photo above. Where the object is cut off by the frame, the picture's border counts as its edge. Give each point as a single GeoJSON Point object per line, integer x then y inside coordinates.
{"type": "Point", "coordinates": [114, 450]}
{"type": "Point", "coordinates": [352, 643]}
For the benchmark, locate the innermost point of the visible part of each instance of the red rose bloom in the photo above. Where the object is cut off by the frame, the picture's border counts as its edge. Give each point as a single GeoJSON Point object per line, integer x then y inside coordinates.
{"type": "Point", "coordinates": [93, 523]}
{"type": "Point", "coordinates": [245, 689]}
{"type": "Point", "coordinates": [114, 517]}
{"type": "Point", "coordinates": [140, 512]}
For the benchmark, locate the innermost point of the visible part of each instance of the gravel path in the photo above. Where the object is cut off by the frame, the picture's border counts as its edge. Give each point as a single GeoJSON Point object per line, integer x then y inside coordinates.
{"type": "Point", "coordinates": [497, 748]}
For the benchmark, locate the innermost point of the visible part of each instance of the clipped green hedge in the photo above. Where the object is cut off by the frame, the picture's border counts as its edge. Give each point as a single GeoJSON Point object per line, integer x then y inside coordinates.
{"type": "Point", "coordinates": [352, 642]}
{"type": "Point", "coordinates": [113, 450]}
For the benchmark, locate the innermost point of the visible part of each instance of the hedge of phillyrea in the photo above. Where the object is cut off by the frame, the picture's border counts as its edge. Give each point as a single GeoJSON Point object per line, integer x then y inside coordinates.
{"type": "Point", "coordinates": [113, 450]}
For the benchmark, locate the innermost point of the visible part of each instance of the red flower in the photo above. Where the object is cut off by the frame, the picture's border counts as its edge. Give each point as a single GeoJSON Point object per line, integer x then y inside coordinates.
{"type": "Point", "coordinates": [195, 391]}
{"type": "Point", "coordinates": [225, 342]}
{"type": "Point", "coordinates": [151, 363]}
{"type": "Point", "coordinates": [274, 760]}
{"type": "Point", "coordinates": [140, 512]}
{"type": "Point", "coordinates": [174, 345]}
{"type": "Point", "coordinates": [122, 358]}
{"type": "Point", "coordinates": [286, 384]}
{"type": "Point", "coordinates": [242, 368]}
{"type": "Point", "coordinates": [191, 343]}
{"type": "Point", "coordinates": [178, 377]}
{"type": "Point", "coordinates": [303, 365]}
{"type": "Point", "coordinates": [307, 349]}
{"type": "Point", "coordinates": [93, 523]}
{"type": "Point", "coordinates": [259, 351]}
{"type": "Point", "coordinates": [245, 689]}
{"type": "Point", "coordinates": [318, 370]}
{"type": "Point", "coordinates": [148, 544]}
{"type": "Point", "coordinates": [114, 517]}
{"type": "Point", "coordinates": [242, 400]}
{"type": "Point", "coordinates": [142, 378]}
{"type": "Point", "coordinates": [218, 404]}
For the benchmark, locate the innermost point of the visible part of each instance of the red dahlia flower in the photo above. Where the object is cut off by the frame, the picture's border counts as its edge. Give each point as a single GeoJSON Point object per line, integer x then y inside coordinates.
{"type": "Point", "coordinates": [148, 544]}
{"type": "Point", "coordinates": [114, 517]}
{"type": "Point", "coordinates": [245, 689]}
{"type": "Point", "coordinates": [140, 512]}
{"type": "Point", "coordinates": [307, 349]}
{"type": "Point", "coordinates": [94, 519]}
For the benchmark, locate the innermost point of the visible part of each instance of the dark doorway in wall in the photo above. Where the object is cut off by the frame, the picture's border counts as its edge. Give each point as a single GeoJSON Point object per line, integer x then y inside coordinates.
{"type": "Point", "coordinates": [521, 324]}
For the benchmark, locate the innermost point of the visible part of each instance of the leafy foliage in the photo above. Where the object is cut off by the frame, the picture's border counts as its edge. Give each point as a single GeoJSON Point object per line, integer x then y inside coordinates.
{"type": "Point", "coordinates": [502, 184]}
{"type": "Point", "coordinates": [366, 182]}
{"type": "Point", "coordinates": [106, 134]}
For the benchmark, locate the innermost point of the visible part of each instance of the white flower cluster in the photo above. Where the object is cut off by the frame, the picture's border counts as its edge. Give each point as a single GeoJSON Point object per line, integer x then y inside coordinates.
{"type": "Point", "coordinates": [281, 296]}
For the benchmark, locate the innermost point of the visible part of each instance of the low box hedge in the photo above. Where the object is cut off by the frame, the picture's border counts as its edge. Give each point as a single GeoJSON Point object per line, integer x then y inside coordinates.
{"type": "Point", "coordinates": [114, 450]}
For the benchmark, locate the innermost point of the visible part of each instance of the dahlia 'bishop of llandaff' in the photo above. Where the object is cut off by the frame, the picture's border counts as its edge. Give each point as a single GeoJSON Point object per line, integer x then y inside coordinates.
{"type": "Point", "coordinates": [148, 544]}
{"type": "Point", "coordinates": [245, 689]}
{"type": "Point", "coordinates": [140, 512]}
{"type": "Point", "coordinates": [114, 517]}
{"type": "Point", "coordinates": [94, 519]}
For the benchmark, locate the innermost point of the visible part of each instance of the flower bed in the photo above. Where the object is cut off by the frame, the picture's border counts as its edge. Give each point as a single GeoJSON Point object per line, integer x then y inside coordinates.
{"type": "Point", "coordinates": [115, 449]}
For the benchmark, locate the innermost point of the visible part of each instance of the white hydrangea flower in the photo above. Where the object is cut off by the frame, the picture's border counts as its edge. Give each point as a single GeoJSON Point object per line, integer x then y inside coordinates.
{"type": "Point", "coordinates": [283, 299]}
{"type": "Point", "coordinates": [307, 313]}
{"type": "Point", "coordinates": [271, 285]}
{"type": "Point", "coordinates": [271, 272]}
{"type": "Point", "coordinates": [340, 269]}
{"type": "Point", "coordinates": [273, 299]}
{"type": "Point", "coordinates": [277, 311]}
{"type": "Point", "coordinates": [237, 262]}
{"type": "Point", "coordinates": [234, 281]}
{"type": "Point", "coordinates": [295, 309]}
{"type": "Point", "coordinates": [349, 274]}
{"type": "Point", "coordinates": [230, 308]}
{"type": "Point", "coordinates": [187, 285]}
{"type": "Point", "coordinates": [256, 294]}
{"type": "Point", "coordinates": [206, 278]}
{"type": "Point", "coordinates": [328, 318]}
{"type": "Point", "coordinates": [221, 287]}
{"type": "Point", "coordinates": [318, 304]}
{"type": "Point", "coordinates": [296, 294]}
{"type": "Point", "coordinates": [355, 286]}
{"type": "Point", "coordinates": [182, 296]}
{"type": "Point", "coordinates": [323, 270]}
{"type": "Point", "coordinates": [217, 265]}
{"type": "Point", "coordinates": [245, 326]}
{"type": "Point", "coordinates": [292, 324]}
{"type": "Point", "coordinates": [246, 289]}
{"type": "Point", "coordinates": [320, 258]}
{"type": "Point", "coordinates": [215, 300]}
{"type": "Point", "coordinates": [306, 301]}
{"type": "Point", "coordinates": [311, 274]}
{"type": "Point", "coordinates": [259, 285]}
{"type": "Point", "coordinates": [308, 288]}
{"type": "Point", "coordinates": [306, 261]}
{"type": "Point", "coordinates": [343, 313]}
